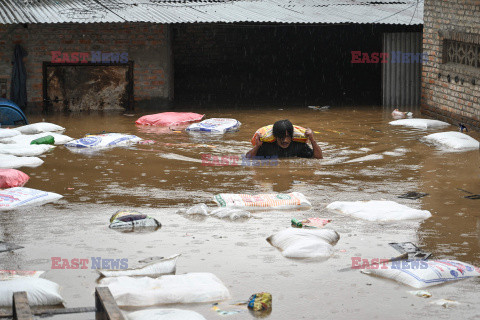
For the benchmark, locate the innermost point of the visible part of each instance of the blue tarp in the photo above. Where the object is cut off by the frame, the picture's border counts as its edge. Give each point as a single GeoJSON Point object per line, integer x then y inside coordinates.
{"type": "Point", "coordinates": [11, 114]}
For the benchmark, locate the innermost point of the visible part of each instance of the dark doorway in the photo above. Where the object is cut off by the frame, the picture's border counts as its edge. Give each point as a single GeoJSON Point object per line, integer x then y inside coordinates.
{"type": "Point", "coordinates": [90, 86]}
{"type": "Point", "coordinates": [277, 64]}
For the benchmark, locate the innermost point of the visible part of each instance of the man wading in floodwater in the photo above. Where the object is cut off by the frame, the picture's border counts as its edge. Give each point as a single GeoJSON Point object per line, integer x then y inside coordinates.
{"type": "Point", "coordinates": [284, 146]}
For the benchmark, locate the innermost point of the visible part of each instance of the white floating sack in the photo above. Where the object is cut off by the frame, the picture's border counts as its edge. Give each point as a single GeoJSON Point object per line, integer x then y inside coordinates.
{"type": "Point", "coordinates": [420, 123]}
{"type": "Point", "coordinates": [8, 133]}
{"type": "Point", "coordinates": [16, 197]}
{"type": "Point", "coordinates": [107, 140]}
{"type": "Point", "coordinates": [185, 288]}
{"type": "Point", "coordinates": [154, 269]}
{"type": "Point", "coordinates": [305, 243]}
{"type": "Point", "coordinates": [232, 214]}
{"type": "Point", "coordinates": [280, 201]}
{"type": "Point", "coordinates": [452, 141]}
{"type": "Point", "coordinates": [27, 138]}
{"type": "Point", "coordinates": [215, 125]}
{"type": "Point", "coordinates": [19, 274]}
{"type": "Point", "coordinates": [378, 210]}
{"type": "Point", "coordinates": [200, 209]}
{"type": "Point", "coordinates": [8, 161]}
{"type": "Point", "coordinates": [165, 314]}
{"type": "Point", "coordinates": [425, 273]}
{"type": "Point", "coordinates": [40, 292]}
{"type": "Point", "coordinates": [24, 150]}
{"type": "Point", "coordinates": [40, 127]}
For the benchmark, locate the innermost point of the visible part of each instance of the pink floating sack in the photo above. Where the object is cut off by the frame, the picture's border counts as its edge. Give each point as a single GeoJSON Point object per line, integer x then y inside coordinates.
{"type": "Point", "coordinates": [10, 178]}
{"type": "Point", "coordinates": [169, 118]}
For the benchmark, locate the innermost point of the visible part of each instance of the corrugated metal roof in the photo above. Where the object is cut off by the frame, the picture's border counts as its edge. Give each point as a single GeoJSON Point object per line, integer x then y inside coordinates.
{"type": "Point", "coordinates": [407, 12]}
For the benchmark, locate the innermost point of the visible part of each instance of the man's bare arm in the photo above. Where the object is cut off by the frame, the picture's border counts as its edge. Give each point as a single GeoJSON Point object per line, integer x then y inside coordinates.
{"type": "Point", "coordinates": [253, 152]}
{"type": "Point", "coordinates": [317, 151]}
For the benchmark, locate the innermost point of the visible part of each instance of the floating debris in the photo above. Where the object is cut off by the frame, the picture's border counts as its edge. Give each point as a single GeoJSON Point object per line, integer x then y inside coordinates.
{"type": "Point", "coordinates": [324, 108]}
{"type": "Point", "coordinates": [413, 195]}
{"type": "Point", "coordinates": [421, 293]}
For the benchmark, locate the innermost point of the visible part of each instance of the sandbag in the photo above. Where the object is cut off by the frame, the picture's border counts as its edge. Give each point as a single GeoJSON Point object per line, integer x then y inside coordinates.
{"type": "Point", "coordinates": [11, 178]}
{"type": "Point", "coordinates": [28, 138]}
{"type": "Point", "coordinates": [24, 150]}
{"type": "Point", "coordinates": [215, 125]}
{"type": "Point", "coordinates": [425, 273]}
{"type": "Point", "coordinates": [8, 133]}
{"type": "Point", "coordinates": [420, 123]}
{"type": "Point", "coordinates": [169, 118]}
{"type": "Point", "coordinates": [16, 197]}
{"type": "Point", "coordinates": [154, 269]}
{"type": "Point", "coordinates": [40, 292]}
{"type": "Point", "coordinates": [102, 141]}
{"type": "Point", "coordinates": [132, 219]}
{"type": "Point", "coordinates": [221, 213]}
{"type": "Point", "coordinates": [305, 243]}
{"type": "Point", "coordinates": [40, 127]}
{"type": "Point", "coordinates": [8, 161]}
{"type": "Point", "coordinates": [378, 210]}
{"type": "Point", "coordinates": [18, 274]}
{"type": "Point", "coordinates": [294, 200]}
{"type": "Point", "coordinates": [200, 209]}
{"type": "Point", "coordinates": [266, 134]}
{"type": "Point", "coordinates": [185, 288]}
{"type": "Point", "coordinates": [452, 141]}
{"type": "Point", "coordinates": [165, 314]}
{"type": "Point", "coordinates": [230, 213]}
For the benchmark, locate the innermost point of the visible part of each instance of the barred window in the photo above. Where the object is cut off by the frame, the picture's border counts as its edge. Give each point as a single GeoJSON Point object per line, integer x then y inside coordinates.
{"type": "Point", "coordinates": [463, 53]}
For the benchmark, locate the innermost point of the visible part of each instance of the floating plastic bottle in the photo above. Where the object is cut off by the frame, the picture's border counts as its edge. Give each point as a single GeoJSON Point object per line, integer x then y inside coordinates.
{"type": "Point", "coordinates": [44, 140]}
{"type": "Point", "coordinates": [296, 223]}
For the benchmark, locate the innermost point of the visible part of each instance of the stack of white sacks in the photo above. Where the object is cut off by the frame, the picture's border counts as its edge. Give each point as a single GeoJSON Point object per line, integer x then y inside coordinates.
{"type": "Point", "coordinates": [16, 150]}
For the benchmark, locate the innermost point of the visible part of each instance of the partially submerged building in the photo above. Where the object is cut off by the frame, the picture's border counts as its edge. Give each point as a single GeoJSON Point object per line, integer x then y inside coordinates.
{"type": "Point", "coordinates": [451, 76]}
{"type": "Point", "coordinates": [89, 54]}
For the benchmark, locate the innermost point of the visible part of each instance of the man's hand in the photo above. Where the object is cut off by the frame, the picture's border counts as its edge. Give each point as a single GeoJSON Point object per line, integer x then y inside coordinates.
{"type": "Point", "coordinates": [253, 152]}
{"type": "Point", "coordinates": [309, 134]}
{"type": "Point", "coordinates": [258, 142]}
{"type": "Point", "coordinates": [317, 151]}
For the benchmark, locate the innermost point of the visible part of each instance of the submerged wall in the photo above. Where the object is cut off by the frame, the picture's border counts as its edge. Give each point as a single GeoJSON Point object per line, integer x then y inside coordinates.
{"type": "Point", "coordinates": [205, 64]}
{"type": "Point", "coordinates": [147, 45]}
{"type": "Point", "coordinates": [451, 76]}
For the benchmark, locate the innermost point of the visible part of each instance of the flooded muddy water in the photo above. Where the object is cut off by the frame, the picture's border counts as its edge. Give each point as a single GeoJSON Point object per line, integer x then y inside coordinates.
{"type": "Point", "coordinates": [365, 158]}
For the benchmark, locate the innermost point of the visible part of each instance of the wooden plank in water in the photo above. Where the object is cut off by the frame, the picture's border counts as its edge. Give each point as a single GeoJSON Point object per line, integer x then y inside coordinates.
{"type": "Point", "coordinates": [41, 311]}
{"type": "Point", "coordinates": [107, 308]}
{"type": "Point", "coordinates": [5, 246]}
{"type": "Point", "coordinates": [21, 309]}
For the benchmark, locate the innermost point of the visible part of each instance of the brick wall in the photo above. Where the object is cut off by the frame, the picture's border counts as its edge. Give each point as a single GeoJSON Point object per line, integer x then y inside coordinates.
{"type": "Point", "coordinates": [148, 46]}
{"type": "Point", "coordinates": [446, 100]}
